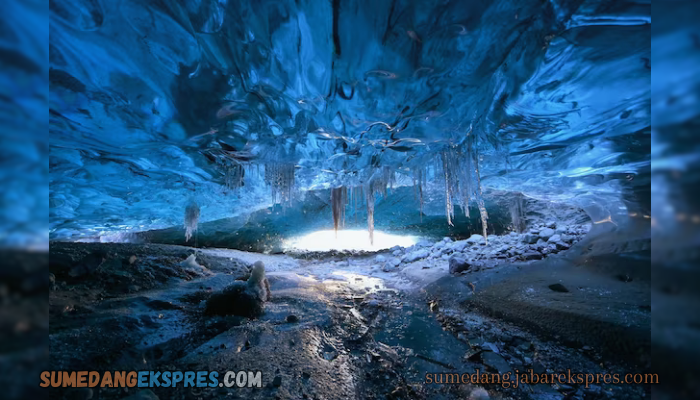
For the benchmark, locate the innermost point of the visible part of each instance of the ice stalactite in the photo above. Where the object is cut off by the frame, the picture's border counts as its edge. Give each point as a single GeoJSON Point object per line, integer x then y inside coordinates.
{"type": "Point", "coordinates": [280, 179]}
{"type": "Point", "coordinates": [231, 164]}
{"type": "Point", "coordinates": [378, 183]}
{"type": "Point", "coordinates": [339, 199]}
{"type": "Point", "coordinates": [419, 180]}
{"type": "Point", "coordinates": [370, 215]}
{"type": "Point", "coordinates": [480, 198]}
{"type": "Point", "coordinates": [517, 213]}
{"type": "Point", "coordinates": [191, 220]}
{"type": "Point", "coordinates": [234, 176]}
{"type": "Point", "coordinates": [450, 168]}
{"type": "Point", "coordinates": [460, 167]}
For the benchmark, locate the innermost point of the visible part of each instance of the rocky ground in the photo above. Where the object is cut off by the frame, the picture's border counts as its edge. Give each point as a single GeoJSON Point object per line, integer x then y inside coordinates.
{"type": "Point", "coordinates": [365, 326]}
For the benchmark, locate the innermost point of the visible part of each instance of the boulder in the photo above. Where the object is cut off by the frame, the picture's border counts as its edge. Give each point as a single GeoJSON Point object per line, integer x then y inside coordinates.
{"type": "Point", "coordinates": [561, 246]}
{"type": "Point", "coordinates": [567, 238]}
{"type": "Point", "coordinates": [554, 238]}
{"type": "Point", "coordinates": [458, 264]}
{"type": "Point", "coordinates": [458, 246]}
{"type": "Point", "coordinates": [532, 255]}
{"type": "Point", "coordinates": [530, 238]}
{"type": "Point", "coordinates": [558, 287]}
{"type": "Point", "coordinates": [416, 255]}
{"type": "Point", "coordinates": [546, 233]}
{"type": "Point", "coordinates": [495, 362]}
{"type": "Point", "coordinates": [244, 299]}
{"type": "Point", "coordinates": [474, 239]}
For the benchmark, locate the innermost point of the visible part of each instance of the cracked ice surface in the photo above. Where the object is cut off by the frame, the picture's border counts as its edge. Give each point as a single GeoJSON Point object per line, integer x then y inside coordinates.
{"type": "Point", "coordinates": [154, 105]}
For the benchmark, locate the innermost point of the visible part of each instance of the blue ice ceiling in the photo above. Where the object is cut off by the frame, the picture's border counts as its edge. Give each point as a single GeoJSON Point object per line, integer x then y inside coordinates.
{"type": "Point", "coordinates": [154, 104]}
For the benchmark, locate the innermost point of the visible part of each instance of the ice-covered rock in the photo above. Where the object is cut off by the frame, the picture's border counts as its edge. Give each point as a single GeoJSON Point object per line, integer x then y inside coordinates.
{"type": "Point", "coordinates": [393, 261]}
{"type": "Point", "coordinates": [459, 245]}
{"type": "Point", "coordinates": [530, 238]}
{"type": "Point", "coordinates": [475, 238]}
{"type": "Point", "coordinates": [554, 238]}
{"type": "Point", "coordinates": [416, 255]}
{"type": "Point", "coordinates": [546, 233]}
{"type": "Point", "coordinates": [423, 243]}
{"type": "Point", "coordinates": [567, 238]}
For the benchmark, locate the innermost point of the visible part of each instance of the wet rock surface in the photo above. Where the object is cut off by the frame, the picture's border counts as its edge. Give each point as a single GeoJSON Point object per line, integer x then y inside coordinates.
{"type": "Point", "coordinates": [337, 327]}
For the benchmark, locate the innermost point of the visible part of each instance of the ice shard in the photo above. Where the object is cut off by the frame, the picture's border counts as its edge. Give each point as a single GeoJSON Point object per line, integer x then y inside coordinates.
{"type": "Point", "coordinates": [191, 220]}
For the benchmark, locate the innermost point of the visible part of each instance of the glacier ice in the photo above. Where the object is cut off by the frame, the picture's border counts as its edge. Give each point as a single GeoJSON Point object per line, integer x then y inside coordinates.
{"type": "Point", "coordinates": [191, 220]}
{"type": "Point", "coordinates": [243, 105]}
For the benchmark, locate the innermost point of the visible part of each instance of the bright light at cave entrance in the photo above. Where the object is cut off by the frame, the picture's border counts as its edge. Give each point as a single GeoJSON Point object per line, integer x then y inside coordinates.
{"type": "Point", "coordinates": [349, 240]}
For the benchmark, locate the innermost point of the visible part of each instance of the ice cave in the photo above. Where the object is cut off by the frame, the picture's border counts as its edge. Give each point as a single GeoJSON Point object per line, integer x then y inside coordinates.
{"type": "Point", "coordinates": [358, 199]}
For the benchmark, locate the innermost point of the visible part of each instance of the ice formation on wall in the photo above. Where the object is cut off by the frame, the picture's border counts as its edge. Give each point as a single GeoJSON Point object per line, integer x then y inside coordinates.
{"type": "Point", "coordinates": [280, 179]}
{"type": "Point", "coordinates": [339, 199]}
{"type": "Point", "coordinates": [460, 168]}
{"type": "Point", "coordinates": [419, 182]}
{"type": "Point", "coordinates": [517, 213]}
{"type": "Point", "coordinates": [191, 220]}
{"type": "Point", "coordinates": [380, 180]}
{"type": "Point", "coordinates": [159, 98]}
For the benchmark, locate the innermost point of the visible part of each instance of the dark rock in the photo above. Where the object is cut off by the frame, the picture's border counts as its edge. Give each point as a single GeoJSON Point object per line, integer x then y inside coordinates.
{"type": "Point", "coordinates": [244, 299]}
{"type": "Point", "coordinates": [235, 300]}
{"type": "Point", "coordinates": [624, 278]}
{"type": "Point", "coordinates": [558, 287]}
{"type": "Point", "coordinates": [532, 255]}
{"type": "Point", "coordinates": [458, 264]}
{"type": "Point", "coordinates": [495, 362]}
{"type": "Point", "coordinates": [88, 265]}
{"type": "Point", "coordinates": [530, 238]}
{"type": "Point", "coordinates": [291, 318]}
{"type": "Point", "coordinates": [277, 382]}
{"type": "Point", "coordinates": [561, 246]}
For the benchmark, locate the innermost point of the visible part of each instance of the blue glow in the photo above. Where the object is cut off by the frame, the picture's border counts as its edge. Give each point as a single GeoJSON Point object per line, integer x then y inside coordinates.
{"type": "Point", "coordinates": [154, 104]}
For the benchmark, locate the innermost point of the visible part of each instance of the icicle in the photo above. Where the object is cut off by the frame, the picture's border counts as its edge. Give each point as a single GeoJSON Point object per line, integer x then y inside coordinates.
{"type": "Point", "coordinates": [480, 198]}
{"type": "Point", "coordinates": [418, 182]}
{"type": "Point", "coordinates": [280, 179]}
{"type": "Point", "coordinates": [191, 220]}
{"type": "Point", "coordinates": [339, 198]}
{"type": "Point", "coordinates": [517, 213]}
{"type": "Point", "coordinates": [378, 183]}
{"type": "Point", "coordinates": [234, 176]}
{"type": "Point", "coordinates": [451, 183]}
{"type": "Point", "coordinates": [370, 215]}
